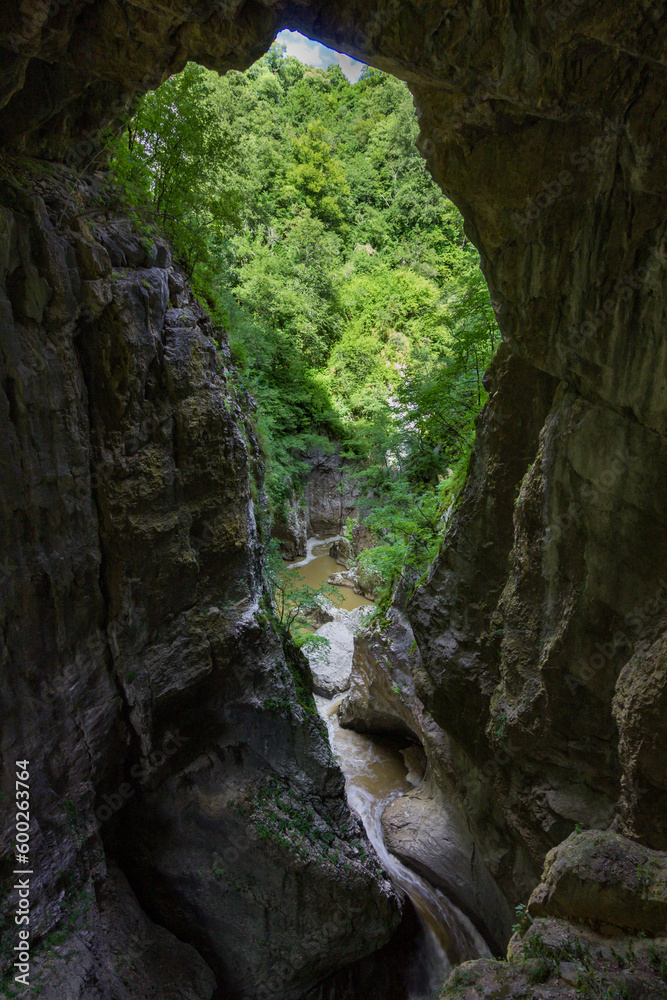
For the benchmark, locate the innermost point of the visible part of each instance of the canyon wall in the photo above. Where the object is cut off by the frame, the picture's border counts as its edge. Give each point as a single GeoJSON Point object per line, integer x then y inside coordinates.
{"type": "Point", "coordinates": [168, 730]}
{"type": "Point", "coordinates": [132, 489]}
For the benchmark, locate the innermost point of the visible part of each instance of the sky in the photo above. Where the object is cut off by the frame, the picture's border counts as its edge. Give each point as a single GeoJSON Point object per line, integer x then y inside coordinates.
{"type": "Point", "coordinates": [314, 54]}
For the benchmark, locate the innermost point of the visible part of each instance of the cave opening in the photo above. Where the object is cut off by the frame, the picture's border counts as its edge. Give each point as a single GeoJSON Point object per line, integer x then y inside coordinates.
{"type": "Point", "coordinates": [342, 283]}
{"type": "Point", "coordinates": [144, 677]}
{"type": "Point", "coordinates": [350, 302]}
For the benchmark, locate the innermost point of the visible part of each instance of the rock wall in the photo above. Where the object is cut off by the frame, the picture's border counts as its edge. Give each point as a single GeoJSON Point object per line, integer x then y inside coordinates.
{"type": "Point", "coordinates": [168, 730]}
{"type": "Point", "coordinates": [328, 499]}
{"type": "Point", "coordinates": [429, 829]}
{"type": "Point", "coordinates": [541, 636]}
{"type": "Point", "coordinates": [330, 494]}
{"type": "Point", "coordinates": [594, 926]}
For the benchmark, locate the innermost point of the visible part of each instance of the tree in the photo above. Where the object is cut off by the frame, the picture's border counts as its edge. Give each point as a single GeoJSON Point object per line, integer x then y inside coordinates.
{"type": "Point", "coordinates": [318, 178]}
{"type": "Point", "coordinates": [171, 160]}
{"type": "Point", "coordinates": [292, 600]}
{"type": "Point", "coordinates": [354, 303]}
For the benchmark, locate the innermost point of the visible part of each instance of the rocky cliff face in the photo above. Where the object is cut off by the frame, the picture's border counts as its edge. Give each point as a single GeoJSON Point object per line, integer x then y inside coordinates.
{"type": "Point", "coordinates": [328, 499]}
{"type": "Point", "coordinates": [165, 726]}
{"type": "Point", "coordinates": [540, 628]}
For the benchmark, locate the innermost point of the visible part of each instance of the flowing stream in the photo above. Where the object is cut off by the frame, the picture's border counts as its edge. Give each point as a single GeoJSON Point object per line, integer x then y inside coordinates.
{"type": "Point", "coordinates": [375, 774]}
{"type": "Point", "coordinates": [318, 566]}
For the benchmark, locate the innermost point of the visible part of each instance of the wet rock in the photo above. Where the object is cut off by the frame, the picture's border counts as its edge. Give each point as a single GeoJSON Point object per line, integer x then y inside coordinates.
{"type": "Point", "coordinates": [347, 579]}
{"type": "Point", "coordinates": [289, 526]}
{"type": "Point", "coordinates": [321, 612]}
{"type": "Point", "coordinates": [341, 551]}
{"type": "Point", "coordinates": [416, 763]}
{"type": "Point", "coordinates": [428, 834]}
{"type": "Point", "coordinates": [363, 583]}
{"type": "Point", "coordinates": [331, 666]}
{"type": "Point", "coordinates": [605, 880]}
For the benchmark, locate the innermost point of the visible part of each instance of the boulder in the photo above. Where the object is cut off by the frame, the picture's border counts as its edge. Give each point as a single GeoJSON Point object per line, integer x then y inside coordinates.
{"type": "Point", "coordinates": [341, 551]}
{"type": "Point", "coordinates": [346, 579]}
{"type": "Point", "coordinates": [331, 666]}
{"type": "Point", "coordinates": [428, 834]}
{"type": "Point", "coordinates": [604, 880]}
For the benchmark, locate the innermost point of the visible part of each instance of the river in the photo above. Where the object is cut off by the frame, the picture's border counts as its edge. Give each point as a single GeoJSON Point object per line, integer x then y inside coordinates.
{"type": "Point", "coordinates": [317, 567]}
{"type": "Point", "coordinates": [375, 774]}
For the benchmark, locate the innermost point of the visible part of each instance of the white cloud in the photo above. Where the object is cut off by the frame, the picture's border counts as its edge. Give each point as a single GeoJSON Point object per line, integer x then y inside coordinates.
{"type": "Point", "coordinates": [349, 66]}
{"type": "Point", "coordinates": [313, 54]}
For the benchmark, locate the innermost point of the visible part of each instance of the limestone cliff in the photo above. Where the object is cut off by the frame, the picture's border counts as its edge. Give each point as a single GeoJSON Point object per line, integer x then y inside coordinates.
{"type": "Point", "coordinates": [168, 730]}
{"type": "Point", "coordinates": [540, 628]}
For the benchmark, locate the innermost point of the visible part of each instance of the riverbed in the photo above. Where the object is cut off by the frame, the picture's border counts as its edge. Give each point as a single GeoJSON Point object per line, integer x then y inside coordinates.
{"type": "Point", "coordinates": [317, 567]}
{"type": "Point", "coordinates": [375, 774]}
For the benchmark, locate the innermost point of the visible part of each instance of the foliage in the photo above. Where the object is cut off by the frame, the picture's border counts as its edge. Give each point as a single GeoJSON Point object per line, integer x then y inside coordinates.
{"type": "Point", "coordinates": [356, 311]}
{"type": "Point", "coordinates": [293, 601]}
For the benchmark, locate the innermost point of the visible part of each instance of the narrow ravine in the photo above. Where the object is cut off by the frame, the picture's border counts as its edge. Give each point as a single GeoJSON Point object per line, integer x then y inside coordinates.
{"type": "Point", "coordinates": [376, 774]}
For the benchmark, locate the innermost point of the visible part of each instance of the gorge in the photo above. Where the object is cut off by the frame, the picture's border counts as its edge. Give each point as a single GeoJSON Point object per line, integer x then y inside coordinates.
{"type": "Point", "coordinates": [189, 833]}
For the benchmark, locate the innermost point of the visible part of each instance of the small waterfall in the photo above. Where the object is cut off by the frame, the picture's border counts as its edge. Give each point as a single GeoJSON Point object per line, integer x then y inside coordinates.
{"type": "Point", "coordinates": [374, 776]}
{"type": "Point", "coordinates": [315, 549]}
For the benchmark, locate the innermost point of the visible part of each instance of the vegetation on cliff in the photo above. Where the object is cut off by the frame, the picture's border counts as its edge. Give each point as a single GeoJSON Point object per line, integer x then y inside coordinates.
{"type": "Point", "coordinates": [302, 211]}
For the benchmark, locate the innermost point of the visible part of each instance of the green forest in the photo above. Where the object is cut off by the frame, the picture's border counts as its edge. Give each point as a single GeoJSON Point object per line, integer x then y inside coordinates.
{"type": "Point", "coordinates": [357, 316]}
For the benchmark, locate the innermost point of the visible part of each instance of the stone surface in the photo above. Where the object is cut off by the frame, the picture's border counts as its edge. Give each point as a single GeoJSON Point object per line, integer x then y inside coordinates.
{"type": "Point", "coordinates": [555, 960]}
{"type": "Point", "coordinates": [341, 551]}
{"type": "Point", "coordinates": [346, 579]}
{"type": "Point", "coordinates": [428, 834]}
{"type": "Point", "coordinates": [289, 526]}
{"type": "Point", "coordinates": [331, 666]}
{"type": "Point", "coordinates": [358, 579]}
{"type": "Point", "coordinates": [586, 930]}
{"type": "Point", "coordinates": [604, 880]}
{"type": "Point", "coordinates": [330, 496]}
{"type": "Point", "coordinates": [640, 709]}
{"type": "Point", "coordinates": [140, 673]}
{"type": "Point", "coordinates": [427, 828]}
{"type": "Point", "coordinates": [130, 574]}
{"type": "Point", "coordinates": [120, 949]}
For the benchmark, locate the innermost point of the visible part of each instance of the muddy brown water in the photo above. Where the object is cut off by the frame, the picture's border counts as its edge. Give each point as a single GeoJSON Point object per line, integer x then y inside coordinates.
{"type": "Point", "coordinates": [318, 566]}
{"type": "Point", "coordinates": [376, 774]}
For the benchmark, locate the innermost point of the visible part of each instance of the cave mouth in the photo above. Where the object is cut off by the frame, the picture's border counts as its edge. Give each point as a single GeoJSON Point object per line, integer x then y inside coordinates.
{"type": "Point", "coordinates": [340, 250]}
{"type": "Point", "coordinates": [543, 127]}
{"type": "Point", "coordinates": [342, 283]}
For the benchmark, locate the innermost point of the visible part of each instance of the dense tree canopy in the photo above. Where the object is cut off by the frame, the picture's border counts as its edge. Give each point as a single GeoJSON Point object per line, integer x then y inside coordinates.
{"type": "Point", "coordinates": [355, 308]}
